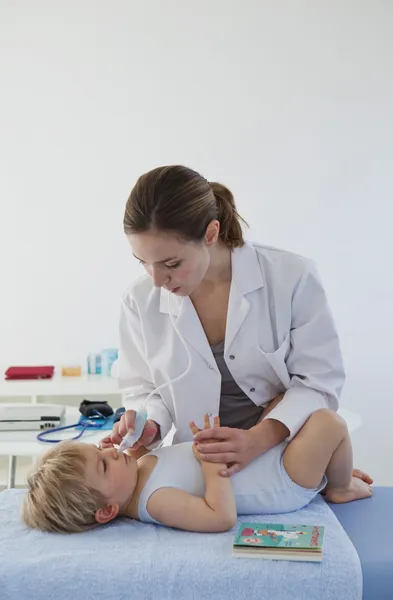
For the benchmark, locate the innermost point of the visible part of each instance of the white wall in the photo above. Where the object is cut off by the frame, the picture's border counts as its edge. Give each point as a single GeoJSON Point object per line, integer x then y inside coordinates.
{"type": "Point", "coordinates": [288, 103]}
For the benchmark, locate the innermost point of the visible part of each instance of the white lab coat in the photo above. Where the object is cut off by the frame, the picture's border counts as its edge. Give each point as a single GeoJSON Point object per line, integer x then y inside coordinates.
{"type": "Point", "coordinates": [280, 337]}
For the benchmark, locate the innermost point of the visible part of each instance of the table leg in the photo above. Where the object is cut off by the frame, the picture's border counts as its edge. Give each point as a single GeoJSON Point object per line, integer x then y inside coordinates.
{"type": "Point", "coordinates": [11, 472]}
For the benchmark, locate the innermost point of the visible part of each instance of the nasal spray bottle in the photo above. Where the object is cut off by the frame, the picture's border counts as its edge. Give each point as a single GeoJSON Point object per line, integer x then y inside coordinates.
{"type": "Point", "coordinates": [141, 416]}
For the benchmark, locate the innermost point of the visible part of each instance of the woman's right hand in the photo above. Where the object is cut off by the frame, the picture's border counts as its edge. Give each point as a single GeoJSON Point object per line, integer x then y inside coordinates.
{"type": "Point", "coordinates": [122, 427]}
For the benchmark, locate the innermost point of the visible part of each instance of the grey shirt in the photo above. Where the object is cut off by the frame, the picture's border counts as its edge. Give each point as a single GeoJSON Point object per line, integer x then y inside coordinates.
{"type": "Point", "coordinates": [236, 408]}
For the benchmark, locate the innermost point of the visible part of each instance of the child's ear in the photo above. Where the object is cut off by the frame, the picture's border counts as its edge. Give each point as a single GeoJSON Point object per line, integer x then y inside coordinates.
{"type": "Point", "coordinates": [107, 513]}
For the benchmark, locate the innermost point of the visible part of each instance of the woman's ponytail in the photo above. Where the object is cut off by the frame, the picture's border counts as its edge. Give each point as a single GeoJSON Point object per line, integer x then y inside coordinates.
{"type": "Point", "coordinates": [231, 233]}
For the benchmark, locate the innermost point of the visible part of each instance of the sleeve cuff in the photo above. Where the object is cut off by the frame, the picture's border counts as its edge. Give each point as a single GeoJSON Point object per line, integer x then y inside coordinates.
{"type": "Point", "coordinates": [298, 404]}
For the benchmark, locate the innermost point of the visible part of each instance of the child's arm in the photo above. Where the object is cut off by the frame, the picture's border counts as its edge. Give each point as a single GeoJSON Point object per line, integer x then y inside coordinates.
{"type": "Point", "coordinates": [214, 513]}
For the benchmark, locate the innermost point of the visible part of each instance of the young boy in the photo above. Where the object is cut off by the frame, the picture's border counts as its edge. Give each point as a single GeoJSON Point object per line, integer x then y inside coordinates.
{"type": "Point", "coordinates": [77, 486]}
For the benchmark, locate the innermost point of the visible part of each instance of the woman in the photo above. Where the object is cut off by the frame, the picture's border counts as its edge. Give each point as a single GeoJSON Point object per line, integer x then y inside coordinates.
{"type": "Point", "coordinates": [254, 319]}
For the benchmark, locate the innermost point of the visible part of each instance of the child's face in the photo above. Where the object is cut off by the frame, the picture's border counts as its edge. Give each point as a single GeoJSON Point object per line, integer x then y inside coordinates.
{"type": "Point", "coordinates": [114, 475]}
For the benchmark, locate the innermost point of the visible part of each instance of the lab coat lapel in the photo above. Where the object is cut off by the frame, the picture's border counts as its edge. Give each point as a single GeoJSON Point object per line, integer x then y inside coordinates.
{"type": "Point", "coordinates": [188, 324]}
{"type": "Point", "coordinates": [246, 277]}
{"type": "Point", "coordinates": [238, 308]}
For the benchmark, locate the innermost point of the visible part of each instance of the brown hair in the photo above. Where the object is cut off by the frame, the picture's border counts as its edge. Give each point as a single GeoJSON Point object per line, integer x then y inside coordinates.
{"type": "Point", "coordinates": [178, 199]}
{"type": "Point", "coordinates": [58, 497]}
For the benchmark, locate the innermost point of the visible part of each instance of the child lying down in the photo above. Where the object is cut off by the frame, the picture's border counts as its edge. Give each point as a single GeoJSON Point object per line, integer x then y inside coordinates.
{"type": "Point", "coordinates": [77, 486]}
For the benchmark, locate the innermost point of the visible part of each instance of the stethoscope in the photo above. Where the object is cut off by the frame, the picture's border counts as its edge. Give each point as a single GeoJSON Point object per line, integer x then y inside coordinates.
{"type": "Point", "coordinates": [84, 422]}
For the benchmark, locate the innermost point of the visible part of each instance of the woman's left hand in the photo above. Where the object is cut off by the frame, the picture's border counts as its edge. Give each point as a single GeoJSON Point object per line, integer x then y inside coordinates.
{"type": "Point", "coordinates": [235, 447]}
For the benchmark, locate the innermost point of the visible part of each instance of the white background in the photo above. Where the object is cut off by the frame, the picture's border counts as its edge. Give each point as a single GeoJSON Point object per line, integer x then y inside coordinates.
{"type": "Point", "coordinates": [287, 103]}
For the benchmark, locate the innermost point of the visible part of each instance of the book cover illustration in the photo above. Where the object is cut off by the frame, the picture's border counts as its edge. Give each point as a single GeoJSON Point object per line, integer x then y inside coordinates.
{"type": "Point", "coordinates": [273, 535]}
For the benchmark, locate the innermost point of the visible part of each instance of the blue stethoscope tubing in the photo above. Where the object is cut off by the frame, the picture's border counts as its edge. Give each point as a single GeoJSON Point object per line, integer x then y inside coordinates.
{"type": "Point", "coordinates": [84, 424]}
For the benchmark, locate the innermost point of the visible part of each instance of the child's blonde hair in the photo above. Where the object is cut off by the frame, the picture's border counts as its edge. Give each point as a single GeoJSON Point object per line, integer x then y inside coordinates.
{"type": "Point", "coordinates": [59, 499]}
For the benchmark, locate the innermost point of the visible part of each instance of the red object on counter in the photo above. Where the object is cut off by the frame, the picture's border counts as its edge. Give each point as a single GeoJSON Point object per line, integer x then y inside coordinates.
{"type": "Point", "coordinates": [29, 372]}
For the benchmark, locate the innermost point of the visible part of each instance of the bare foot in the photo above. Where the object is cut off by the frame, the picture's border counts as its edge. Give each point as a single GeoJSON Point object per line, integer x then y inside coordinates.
{"type": "Point", "coordinates": [355, 473]}
{"type": "Point", "coordinates": [358, 488]}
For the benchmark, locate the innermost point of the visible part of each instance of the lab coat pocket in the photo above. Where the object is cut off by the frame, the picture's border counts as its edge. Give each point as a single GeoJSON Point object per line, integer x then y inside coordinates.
{"type": "Point", "coordinates": [274, 365]}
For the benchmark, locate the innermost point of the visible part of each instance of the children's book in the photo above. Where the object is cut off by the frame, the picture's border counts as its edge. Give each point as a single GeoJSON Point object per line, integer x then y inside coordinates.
{"type": "Point", "coordinates": [279, 542]}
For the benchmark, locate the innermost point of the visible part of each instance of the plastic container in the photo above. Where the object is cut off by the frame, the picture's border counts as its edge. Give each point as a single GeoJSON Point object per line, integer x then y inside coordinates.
{"type": "Point", "coordinates": [108, 357]}
{"type": "Point", "coordinates": [94, 364]}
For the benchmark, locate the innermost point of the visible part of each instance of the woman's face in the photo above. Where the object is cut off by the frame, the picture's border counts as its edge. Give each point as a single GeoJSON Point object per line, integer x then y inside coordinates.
{"type": "Point", "coordinates": [176, 265]}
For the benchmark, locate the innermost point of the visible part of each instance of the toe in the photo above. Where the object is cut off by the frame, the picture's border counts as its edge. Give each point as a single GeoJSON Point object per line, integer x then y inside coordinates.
{"type": "Point", "coordinates": [362, 475]}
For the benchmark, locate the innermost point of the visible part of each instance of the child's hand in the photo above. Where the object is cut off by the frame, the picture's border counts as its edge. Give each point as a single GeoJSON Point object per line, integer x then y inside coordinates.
{"type": "Point", "coordinates": [106, 443]}
{"type": "Point", "coordinates": [195, 430]}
